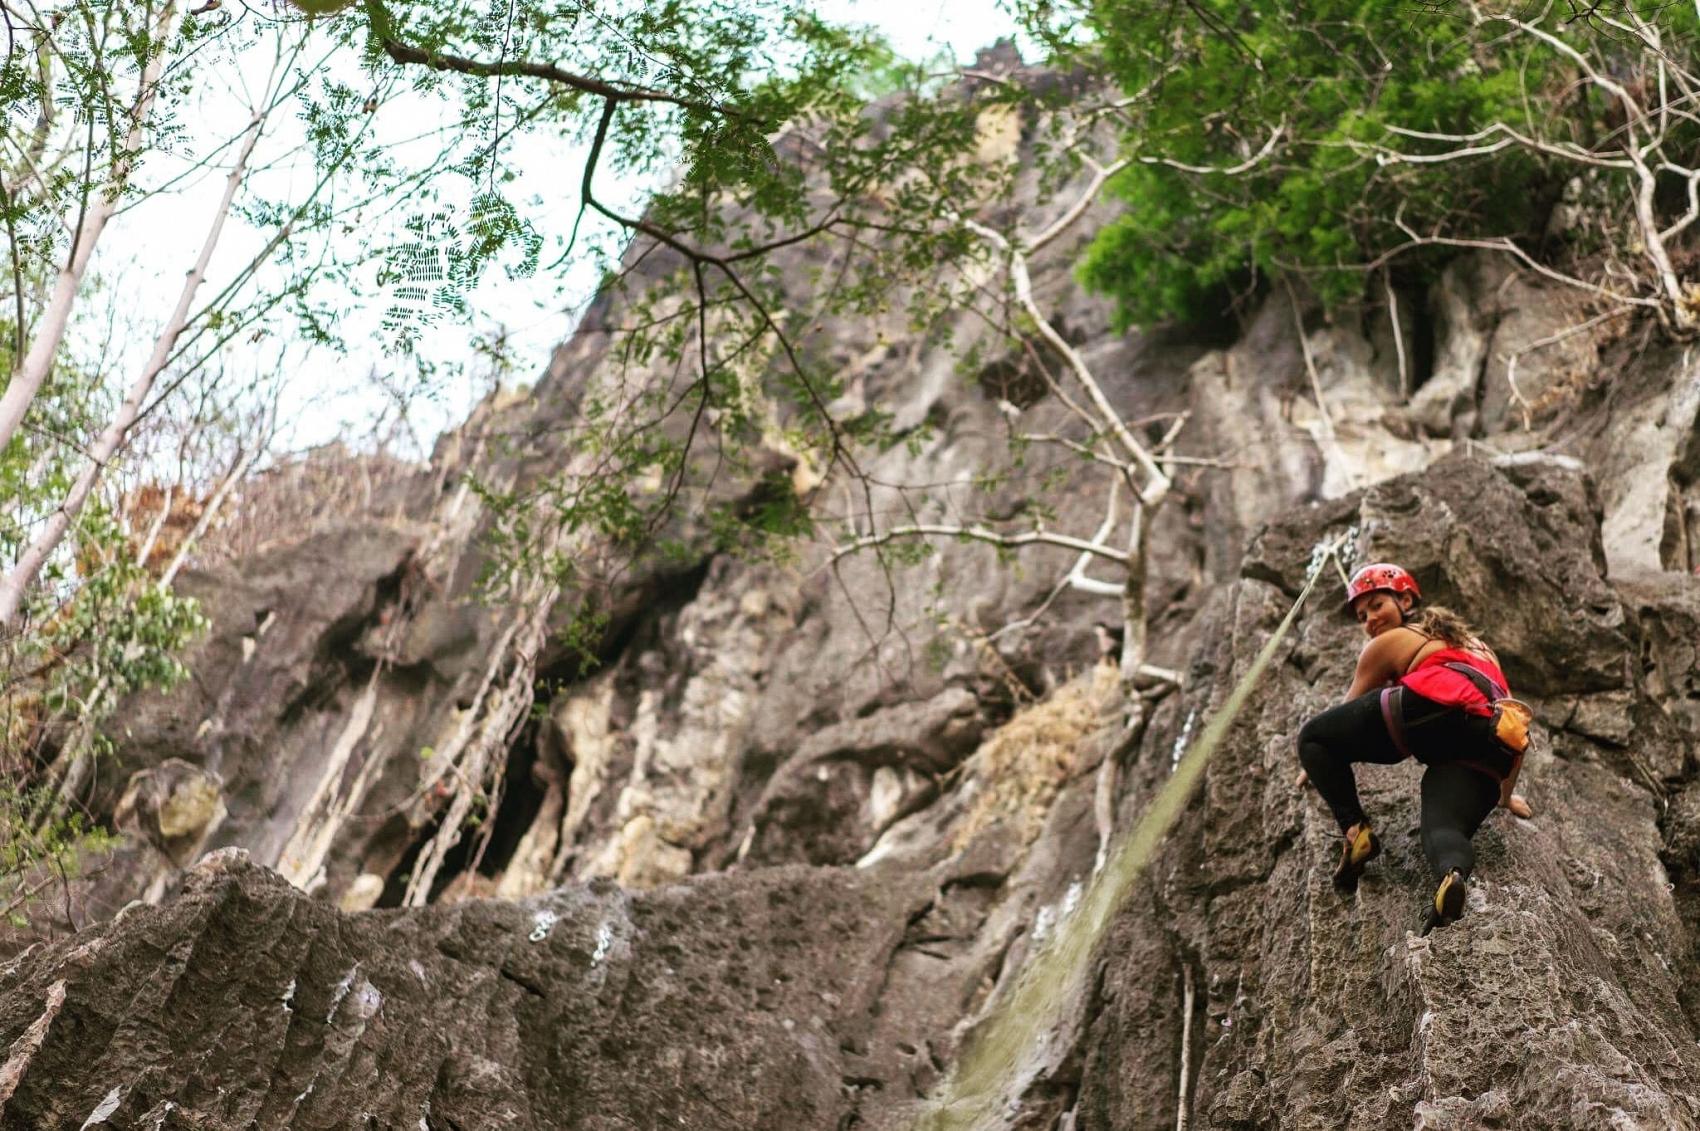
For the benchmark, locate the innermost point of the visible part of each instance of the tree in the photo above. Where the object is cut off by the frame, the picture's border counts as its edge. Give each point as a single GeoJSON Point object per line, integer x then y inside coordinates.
{"type": "Point", "coordinates": [1403, 138]}
{"type": "Point", "coordinates": [86, 601]}
{"type": "Point", "coordinates": [75, 52]}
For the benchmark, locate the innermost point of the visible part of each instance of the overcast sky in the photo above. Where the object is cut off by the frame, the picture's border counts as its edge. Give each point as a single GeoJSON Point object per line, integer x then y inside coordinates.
{"type": "Point", "coordinates": [145, 255]}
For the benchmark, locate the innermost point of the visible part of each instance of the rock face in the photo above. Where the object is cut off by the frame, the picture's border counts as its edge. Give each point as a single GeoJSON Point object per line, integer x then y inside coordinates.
{"type": "Point", "coordinates": [829, 996]}
{"type": "Point", "coordinates": [173, 806]}
{"type": "Point", "coordinates": [1556, 1002]}
{"type": "Point", "coordinates": [768, 857]}
{"type": "Point", "coordinates": [724, 1005]}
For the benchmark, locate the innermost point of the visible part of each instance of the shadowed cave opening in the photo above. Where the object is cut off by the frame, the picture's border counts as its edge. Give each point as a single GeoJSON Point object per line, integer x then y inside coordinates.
{"type": "Point", "coordinates": [491, 842]}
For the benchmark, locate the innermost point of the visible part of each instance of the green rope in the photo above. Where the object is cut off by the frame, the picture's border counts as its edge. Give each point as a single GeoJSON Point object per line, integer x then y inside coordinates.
{"type": "Point", "coordinates": [970, 1096]}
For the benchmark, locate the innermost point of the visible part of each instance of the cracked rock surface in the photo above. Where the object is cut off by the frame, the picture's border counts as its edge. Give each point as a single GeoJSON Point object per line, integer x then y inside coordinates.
{"type": "Point", "coordinates": [831, 996]}
{"type": "Point", "coordinates": [756, 866]}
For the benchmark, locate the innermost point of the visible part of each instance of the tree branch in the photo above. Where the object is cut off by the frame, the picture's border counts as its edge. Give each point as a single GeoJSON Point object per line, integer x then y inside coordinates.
{"type": "Point", "coordinates": [1224, 170]}
{"type": "Point", "coordinates": [1509, 247]}
{"type": "Point", "coordinates": [1157, 482]}
{"type": "Point", "coordinates": [409, 55]}
{"type": "Point", "coordinates": [725, 265]}
{"type": "Point", "coordinates": [981, 534]}
{"type": "Point", "coordinates": [32, 369]}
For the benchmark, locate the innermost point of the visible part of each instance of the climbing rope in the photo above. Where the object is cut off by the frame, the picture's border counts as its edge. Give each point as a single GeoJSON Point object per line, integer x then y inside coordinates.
{"type": "Point", "coordinates": [989, 1072]}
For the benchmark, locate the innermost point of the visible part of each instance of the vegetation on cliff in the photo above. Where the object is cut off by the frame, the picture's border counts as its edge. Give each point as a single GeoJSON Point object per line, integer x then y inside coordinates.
{"type": "Point", "coordinates": [1388, 135]}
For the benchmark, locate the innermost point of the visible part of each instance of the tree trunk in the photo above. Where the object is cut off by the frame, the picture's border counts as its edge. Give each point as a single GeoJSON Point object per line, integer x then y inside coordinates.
{"type": "Point", "coordinates": [17, 582]}
{"type": "Point", "coordinates": [37, 362]}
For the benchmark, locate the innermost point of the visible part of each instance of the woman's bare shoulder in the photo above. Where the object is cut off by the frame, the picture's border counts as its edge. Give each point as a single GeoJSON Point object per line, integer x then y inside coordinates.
{"type": "Point", "coordinates": [1392, 650]}
{"type": "Point", "coordinates": [1400, 640]}
{"type": "Point", "coordinates": [1397, 648]}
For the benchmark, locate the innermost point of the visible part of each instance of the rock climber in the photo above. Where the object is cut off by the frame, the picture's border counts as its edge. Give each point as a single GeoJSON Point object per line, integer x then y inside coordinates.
{"type": "Point", "coordinates": [1426, 687]}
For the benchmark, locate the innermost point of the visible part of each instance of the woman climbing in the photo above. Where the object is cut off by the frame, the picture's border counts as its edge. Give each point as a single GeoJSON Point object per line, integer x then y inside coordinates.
{"type": "Point", "coordinates": [1426, 686]}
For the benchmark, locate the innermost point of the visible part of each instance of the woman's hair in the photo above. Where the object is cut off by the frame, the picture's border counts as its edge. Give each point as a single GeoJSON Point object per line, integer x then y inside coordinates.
{"type": "Point", "coordinates": [1444, 624]}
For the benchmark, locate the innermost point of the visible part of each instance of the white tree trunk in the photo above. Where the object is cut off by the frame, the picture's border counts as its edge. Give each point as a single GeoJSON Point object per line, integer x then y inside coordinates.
{"type": "Point", "coordinates": [17, 582]}
{"type": "Point", "coordinates": [37, 361]}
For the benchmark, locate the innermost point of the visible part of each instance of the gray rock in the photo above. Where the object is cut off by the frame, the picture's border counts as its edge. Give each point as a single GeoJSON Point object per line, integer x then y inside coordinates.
{"type": "Point", "coordinates": [768, 848]}
{"type": "Point", "coordinates": [174, 806]}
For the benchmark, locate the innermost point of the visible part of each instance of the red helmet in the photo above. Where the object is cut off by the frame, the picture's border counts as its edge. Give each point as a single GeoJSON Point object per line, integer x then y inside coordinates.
{"type": "Point", "coordinates": [1381, 575]}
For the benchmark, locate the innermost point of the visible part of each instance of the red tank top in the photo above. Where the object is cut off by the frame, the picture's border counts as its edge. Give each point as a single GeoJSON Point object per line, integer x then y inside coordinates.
{"type": "Point", "coordinates": [1434, 681]}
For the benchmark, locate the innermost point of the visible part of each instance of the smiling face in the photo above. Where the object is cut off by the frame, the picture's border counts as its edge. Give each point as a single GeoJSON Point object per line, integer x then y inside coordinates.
{"type": "Point", "coordinates": [1380, 610]}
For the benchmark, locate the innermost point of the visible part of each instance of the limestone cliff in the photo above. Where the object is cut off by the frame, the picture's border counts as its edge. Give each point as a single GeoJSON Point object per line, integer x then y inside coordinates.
{"type": "Point", "coordinates": [763, 864]}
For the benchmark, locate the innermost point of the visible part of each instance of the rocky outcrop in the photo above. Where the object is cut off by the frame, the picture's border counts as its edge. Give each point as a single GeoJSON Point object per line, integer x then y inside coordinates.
{"type": "Point", "coordinates": [766, 849]}
{"type": "Point", "coordinates": [827, 995]}
{"type": "Point", "coordinates": [1558, 1001]}
{"type": "Point", "coordinates": [716, 1005]}
{"type": "Point", "coordinates": [173, 806]}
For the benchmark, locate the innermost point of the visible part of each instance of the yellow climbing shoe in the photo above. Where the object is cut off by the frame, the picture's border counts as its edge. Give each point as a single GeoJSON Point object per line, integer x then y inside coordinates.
{"type": "Point", "coordinates": [1449, 899]}
{"type": "Point", "coordinates": [1356, 852]}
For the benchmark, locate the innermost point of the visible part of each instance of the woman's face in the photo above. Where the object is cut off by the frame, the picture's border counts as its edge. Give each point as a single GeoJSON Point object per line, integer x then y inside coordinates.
{"type": "Point", "coordinates": [1381, 610]}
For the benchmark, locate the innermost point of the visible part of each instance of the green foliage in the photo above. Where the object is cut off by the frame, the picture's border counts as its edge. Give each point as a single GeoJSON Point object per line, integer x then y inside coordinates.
{"type": "Point", "coordinates": [98, 628]}
{"type": "Point", "coordinates": [1333, 81]}
{"type": "Point", "coordinates": [747, 124]}
{"type": "Point", "coordinates": [767, 522]}
{"type": "Point", "coordinates": [98, 612]}
{"type": "Point", "coordinates": [119, 631]}
{"type": "Point", "coordinates": [115, 632]}
{"type": "Point", "coordinates": [35, 853]}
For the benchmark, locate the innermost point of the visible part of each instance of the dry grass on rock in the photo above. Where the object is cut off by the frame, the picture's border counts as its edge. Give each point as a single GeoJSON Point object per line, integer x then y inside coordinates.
{"type": "Point", "coordinates": [1024, 765]}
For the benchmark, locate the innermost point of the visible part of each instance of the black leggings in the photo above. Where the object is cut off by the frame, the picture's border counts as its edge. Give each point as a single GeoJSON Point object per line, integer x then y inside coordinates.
{"type": "Point", "coordinates": [1456, 797]}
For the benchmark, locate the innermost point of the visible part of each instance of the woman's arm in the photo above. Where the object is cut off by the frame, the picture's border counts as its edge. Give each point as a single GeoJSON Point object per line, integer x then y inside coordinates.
{"type": "Point", "coordinates": [1508, 797]}
{"type": "Point", "coordinates": [1510, 783]}
{"type": "Point", "coordinates": [1384, 660]}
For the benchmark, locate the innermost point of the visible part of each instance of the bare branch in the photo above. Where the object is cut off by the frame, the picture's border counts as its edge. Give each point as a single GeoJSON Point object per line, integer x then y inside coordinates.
{"type": "Point", "coordinates": [1692, 177]}
{"type": "Point", "coordinates": [1509, 247]}
{"type": "Point", "coordinates": [1157, 483]}
{"type": "Point", "coordinates": [1398, 336]}
{"type": "Point", "coordinates": [1245, 166]}
{"type": "Point", "coordinates": [1512, 359]}
{"type": "Point", "coordinates": [1184, 1101]}
{"type": "Point", "coordinates": [1329, 439]}
{"type": "Point", "coordinates": [209, 512]}
{"type": "Point", "coordinates": [1083, 450]}
{"type": "Point", "coordinates": [1074, 211]}
{"type": "Point", "coordinates": [981, 534]}
{"type": "Point", "coordinates": [1678, 304]}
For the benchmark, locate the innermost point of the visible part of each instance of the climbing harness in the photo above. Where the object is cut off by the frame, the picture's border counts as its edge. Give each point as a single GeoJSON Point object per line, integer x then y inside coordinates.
{"type": "Point", "coordinates": [1510, 718]}
{"type": "Point", "coordinates": [1504, 729]}
{"type": "Point", "coordinates": [989, 1068]}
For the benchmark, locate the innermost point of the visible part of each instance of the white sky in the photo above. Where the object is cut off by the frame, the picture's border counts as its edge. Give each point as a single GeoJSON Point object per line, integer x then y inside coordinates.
{"type": "Point", "coordinates": [148, 248]}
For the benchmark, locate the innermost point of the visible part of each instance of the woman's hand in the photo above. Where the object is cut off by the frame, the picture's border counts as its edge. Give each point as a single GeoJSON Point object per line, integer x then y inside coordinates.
{"type": "Point", "coordinates": [1519, 806]}
{"type": "Point", "coordinates": [1299, 782]}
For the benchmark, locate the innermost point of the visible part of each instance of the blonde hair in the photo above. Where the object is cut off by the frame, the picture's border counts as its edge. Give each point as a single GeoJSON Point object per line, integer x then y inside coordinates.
{"type": "Point", "coordinates": [1442, 623]}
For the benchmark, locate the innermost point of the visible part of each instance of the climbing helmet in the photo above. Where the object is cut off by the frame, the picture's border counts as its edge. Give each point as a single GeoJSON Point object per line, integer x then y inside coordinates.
{"type": "Point", "coordinates": [1381, 575]}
